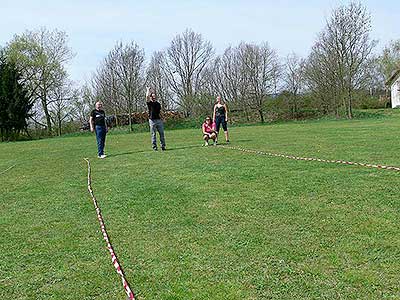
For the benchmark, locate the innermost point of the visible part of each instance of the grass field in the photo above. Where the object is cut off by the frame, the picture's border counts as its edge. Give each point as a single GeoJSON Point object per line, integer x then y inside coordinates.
{"type": "Point", "coordinates": [205, 223]}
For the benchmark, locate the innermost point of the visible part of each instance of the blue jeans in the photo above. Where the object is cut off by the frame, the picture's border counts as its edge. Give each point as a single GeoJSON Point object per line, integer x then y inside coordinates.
{"type": "Point", "coordinates": [101, 132]}
{"type": "Point", "coordinates": [157, 125]}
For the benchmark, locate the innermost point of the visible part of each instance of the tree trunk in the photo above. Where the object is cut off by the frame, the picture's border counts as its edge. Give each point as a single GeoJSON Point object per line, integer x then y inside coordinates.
{"type": "Point", "coordinates": [27, 132]}
{"type": "Point", "coordinates": [261, 115]}
{"type": "Point", "coordinates": [116, 117]}
{"type": "Point", "coordinates": [350, 105]}
{"type": "Point", "coordinates": [59, 126]}
{"type": "Point", "coordinates": [130, 116]}
{"type": "Point", "coordinates": [46, 112]}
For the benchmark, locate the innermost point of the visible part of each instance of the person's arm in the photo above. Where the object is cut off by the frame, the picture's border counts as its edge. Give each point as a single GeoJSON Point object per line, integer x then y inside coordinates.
{"type": "Point", "coordinates": [161, 113]}
{"type": "Point", "coordinates": [91, 123]}
{"type": "Point", "coordinates": [226, 113]}
{"type": "Point", "coordinates": [214, 127]}
{"type": "Point", "coordinates": [203, 129]}
{"type": "Point", "coordinates": [147, 94]}
{"type": "Point", "coordinates": [214, 113]}
{"type": "Point", "coordinates": [105, 122]}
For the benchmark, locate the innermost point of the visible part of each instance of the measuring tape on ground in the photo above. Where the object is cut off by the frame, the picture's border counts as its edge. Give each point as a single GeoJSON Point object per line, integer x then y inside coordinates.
{"type": "Point", "coordinates": [114, 259]}
{"type": "Point", "coordinates": [367, 165]}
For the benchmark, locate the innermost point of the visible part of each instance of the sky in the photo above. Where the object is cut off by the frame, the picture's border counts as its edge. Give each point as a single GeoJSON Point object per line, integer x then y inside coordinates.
{"type": "Point", "coordinates": [94, 26]}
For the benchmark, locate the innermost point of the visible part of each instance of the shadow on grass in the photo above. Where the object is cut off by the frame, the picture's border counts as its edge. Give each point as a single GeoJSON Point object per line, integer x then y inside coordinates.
{"type": "Point", "coordinates": [200, 145]}
{"type": "Point", "coordinates": [185, 147]}
{"type": "Point", "coordinates": [127, 153]}
{"type": "Point", "coordinates": [242, 141]}
{"type": "Point", "coordinates": [149, 151]}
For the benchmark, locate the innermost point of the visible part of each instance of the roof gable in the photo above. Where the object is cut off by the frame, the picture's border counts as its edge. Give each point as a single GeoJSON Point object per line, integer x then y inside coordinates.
{"type": "Point", "coordinates": [394, 76]}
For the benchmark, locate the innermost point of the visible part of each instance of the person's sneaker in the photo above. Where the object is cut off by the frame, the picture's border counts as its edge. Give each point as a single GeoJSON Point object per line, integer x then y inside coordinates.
{"type": "Point", "coordinates": [155, 149]}
{"type": "Point", "coordinates": [215, 143]}
{"type": "Point", "coordinates": [102, 156]}
{"type": "Point", "coordinates": [227, 141]}
{"type": "Point", "coordinates": [163, 149]}
{"type": "Point", "coordinates": [206, 144]}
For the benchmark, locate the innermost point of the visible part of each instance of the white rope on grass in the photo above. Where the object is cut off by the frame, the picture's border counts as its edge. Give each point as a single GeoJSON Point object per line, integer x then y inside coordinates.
{"type": "Point", "coordinates": [366, 165]}
{"type": "Point", "coordinates": [8, 169]}
{"type": "Point", "coordinates": [114, 259]}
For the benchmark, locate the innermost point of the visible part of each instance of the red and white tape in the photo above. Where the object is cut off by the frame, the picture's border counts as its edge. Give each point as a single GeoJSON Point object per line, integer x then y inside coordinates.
{"type": "Point", "coordinates": [314, 159]}
{"type": "Point", "coordinates": [114, 259]}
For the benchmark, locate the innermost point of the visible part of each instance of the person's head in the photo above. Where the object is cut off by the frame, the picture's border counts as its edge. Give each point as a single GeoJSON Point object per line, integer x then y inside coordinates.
{"type": "Point", "coordinates": [208, 120]}
{"type": "Point", "coordinates": [219, 99]}
{"type": "Point", "coordinates": [99, 105]}
{"type": "Point", "coordinates": [153, 96]}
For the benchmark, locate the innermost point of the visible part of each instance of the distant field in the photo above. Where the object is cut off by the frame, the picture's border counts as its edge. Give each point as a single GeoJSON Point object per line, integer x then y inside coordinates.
{"type": "Point", "coordinates": [205, 223]}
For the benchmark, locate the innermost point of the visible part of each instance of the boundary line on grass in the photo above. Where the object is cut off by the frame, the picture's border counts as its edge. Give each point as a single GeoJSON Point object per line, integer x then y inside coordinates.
{"type": "Point", "coordinates": [8, 169]}
{"type": "Point", "coordinates": [114, 259]}
{"type": "Point", "coordinates": [367, 165]}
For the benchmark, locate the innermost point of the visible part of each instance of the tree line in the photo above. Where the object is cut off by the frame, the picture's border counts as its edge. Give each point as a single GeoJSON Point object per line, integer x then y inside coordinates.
{"type": "Point", "coordinates": [340, 69]}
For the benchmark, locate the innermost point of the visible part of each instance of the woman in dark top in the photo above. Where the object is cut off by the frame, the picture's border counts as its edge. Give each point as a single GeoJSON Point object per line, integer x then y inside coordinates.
{"type": "Point", "coordinates": [98, 123]}
{"type": "Point", "coordinates": [220, 117]}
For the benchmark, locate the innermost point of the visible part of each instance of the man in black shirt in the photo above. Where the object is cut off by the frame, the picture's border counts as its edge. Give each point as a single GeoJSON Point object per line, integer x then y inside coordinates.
{"type": "Point", "coordinates": [155, 122]}
{"type": "Point", "coordinates": [98, 123]}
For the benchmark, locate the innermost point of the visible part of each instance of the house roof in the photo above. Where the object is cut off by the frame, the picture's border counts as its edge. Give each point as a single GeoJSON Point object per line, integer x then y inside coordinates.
{"type": "Point", "coordinates": [394, 76]}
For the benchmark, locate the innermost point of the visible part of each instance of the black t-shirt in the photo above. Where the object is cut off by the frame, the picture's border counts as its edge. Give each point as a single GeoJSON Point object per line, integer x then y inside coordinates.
{"type": "Point", "coordinates": [220, 111]}
{"type": "Point", "coordinates": [99, 117]}
{"type": "Point", "coordinates": [154, 110]}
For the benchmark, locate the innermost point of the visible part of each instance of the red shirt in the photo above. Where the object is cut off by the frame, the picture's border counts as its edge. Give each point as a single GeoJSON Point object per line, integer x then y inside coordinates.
{"type": "Point", "coordinates": [208, 128]}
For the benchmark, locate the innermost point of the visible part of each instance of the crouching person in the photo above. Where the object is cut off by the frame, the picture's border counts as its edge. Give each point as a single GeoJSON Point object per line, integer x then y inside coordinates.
{"type": "Point", "coordinates": [209, 132]}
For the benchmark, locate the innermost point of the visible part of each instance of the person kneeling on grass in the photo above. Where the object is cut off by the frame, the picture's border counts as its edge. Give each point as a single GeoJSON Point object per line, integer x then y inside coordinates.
{"type": "Point", "coordinates": [209, 131]}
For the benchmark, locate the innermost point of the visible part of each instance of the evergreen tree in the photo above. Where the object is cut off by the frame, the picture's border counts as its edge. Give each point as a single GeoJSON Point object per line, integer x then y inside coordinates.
{"type": "Point", "coordinates": [14, 101]}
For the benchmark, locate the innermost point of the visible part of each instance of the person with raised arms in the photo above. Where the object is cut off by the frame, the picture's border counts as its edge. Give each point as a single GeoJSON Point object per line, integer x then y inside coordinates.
{"type": "Point", "coordinates": [220, 117]}
{"type": "Point", "coordinates": [155, 122]}
{"type": "Point", "coordinates": [98, 124]}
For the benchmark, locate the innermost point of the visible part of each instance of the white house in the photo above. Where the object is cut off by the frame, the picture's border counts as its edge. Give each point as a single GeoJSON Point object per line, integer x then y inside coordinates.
{"type": "Point", "coordinates": [394, 83]}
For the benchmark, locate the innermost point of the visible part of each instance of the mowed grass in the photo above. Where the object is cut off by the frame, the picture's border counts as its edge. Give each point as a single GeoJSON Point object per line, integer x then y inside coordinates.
{"type": "Point", "coordinates": [205, 223]}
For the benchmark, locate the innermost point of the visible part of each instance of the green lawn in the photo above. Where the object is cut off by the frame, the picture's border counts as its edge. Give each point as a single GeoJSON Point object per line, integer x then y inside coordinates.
{"type": "Point", "coordinates": [205, 223]}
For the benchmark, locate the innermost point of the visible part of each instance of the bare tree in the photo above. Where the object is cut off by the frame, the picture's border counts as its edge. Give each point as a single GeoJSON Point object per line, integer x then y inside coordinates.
{"type": "Point", "coordinates": [186, 58]}
{"type": "Point", "coordinates": [83, 103]}
{"type": "Point", "coordinates": [260, 67]}
{"type": "Point", "coordinates": [343, 50]}
{"type": "Point", "coordinates": [230, 80]}
{"type": "Point", "coordinates": [206, 92]}
{"type": "Point", "coordinates": [105, 88]}
{"type": "Point", "coordinates": [376, 78]}
{"type": "Point", "coordinates": [41, 56]}
{"type": "Point", "coordinates": [389, 60]}
{"type": "Point", "coordinates": [294, 80]}
{"type": "Point", "coordinates": [119, 80]}
{"type": "Point", "coordinates": [61, 106]}
{"type": "Point", "coordinates": [126, 62]}
{"type": "Point", "coordinates": [156, 78]}
{"type": "Point", "coordinates": [322, 80]}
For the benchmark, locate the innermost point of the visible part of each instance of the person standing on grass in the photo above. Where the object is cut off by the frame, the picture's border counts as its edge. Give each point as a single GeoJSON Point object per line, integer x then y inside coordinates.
{"type": "Point", "coordinates": [98, 124]}
{"type": "Point", "coordinates": [155, 122]}
{"type": "Point", "coordinates": [209, 132]}
{"type": "Point", "coordinates": [220, 117]}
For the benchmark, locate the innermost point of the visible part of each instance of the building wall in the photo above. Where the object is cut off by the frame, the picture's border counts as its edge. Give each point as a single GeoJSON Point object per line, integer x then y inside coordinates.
{"type": "Point", "coordinates": [396, 93]}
